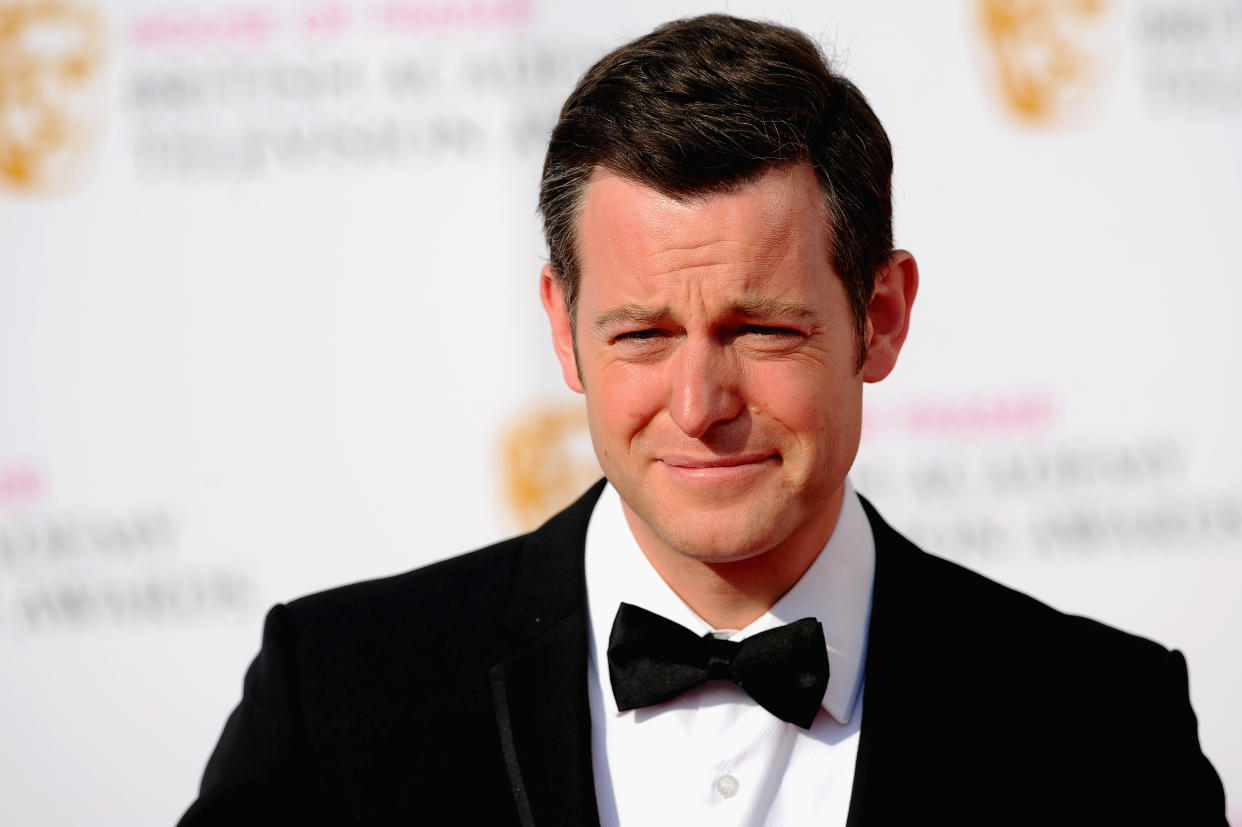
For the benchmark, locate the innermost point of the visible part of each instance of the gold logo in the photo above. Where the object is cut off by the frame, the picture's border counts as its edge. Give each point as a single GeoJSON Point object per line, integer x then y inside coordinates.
{"type": "Point", "coordinates": [1049, 57]}
{"type": "Point", "coordinates": [51, 61]}
{"type": "Point", "coordinates": [547, 461]}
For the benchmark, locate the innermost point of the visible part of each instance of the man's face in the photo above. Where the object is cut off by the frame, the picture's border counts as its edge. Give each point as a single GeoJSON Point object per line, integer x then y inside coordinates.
{"type": "Point", "coordinates": [717, 353]}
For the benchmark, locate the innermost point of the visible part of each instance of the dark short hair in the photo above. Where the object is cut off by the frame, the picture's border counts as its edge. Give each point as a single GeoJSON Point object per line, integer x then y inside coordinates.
{"type": "Point", "coordinates": [707, 105]}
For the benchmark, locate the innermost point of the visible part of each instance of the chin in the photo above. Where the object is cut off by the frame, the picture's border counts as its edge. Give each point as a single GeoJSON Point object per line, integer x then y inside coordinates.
{"type": "Point", "coordinates": [721, 542]}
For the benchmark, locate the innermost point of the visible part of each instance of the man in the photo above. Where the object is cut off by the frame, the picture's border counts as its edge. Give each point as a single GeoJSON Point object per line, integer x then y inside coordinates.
{"type": "Point", "coordinates": [721, 284]}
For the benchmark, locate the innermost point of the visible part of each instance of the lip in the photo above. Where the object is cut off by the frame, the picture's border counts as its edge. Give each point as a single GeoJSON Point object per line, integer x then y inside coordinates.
{"type": "Point", "coordinates": [714, 462]}
{"type": "Point", "coordinates": [717, 469]}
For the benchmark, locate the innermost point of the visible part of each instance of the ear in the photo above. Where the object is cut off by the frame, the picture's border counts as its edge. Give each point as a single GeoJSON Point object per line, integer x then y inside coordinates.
{"type": "Point", "coordinates": [562, 333]}
{"type": "Point", "coordinates": [888, 314]}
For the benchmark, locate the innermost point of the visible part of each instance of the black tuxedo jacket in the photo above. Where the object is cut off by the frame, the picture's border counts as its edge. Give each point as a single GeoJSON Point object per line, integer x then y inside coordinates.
{"type": "Point", "coordinates": [457, 694]}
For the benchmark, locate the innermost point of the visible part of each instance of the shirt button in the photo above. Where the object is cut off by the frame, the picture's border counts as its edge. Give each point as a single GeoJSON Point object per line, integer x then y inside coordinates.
{"type": "Point", "coordinates": [727, 786]}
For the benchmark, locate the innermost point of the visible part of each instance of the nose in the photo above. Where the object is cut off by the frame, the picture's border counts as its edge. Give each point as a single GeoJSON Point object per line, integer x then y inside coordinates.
{"type": "Point", "coordinates": [705, 387]}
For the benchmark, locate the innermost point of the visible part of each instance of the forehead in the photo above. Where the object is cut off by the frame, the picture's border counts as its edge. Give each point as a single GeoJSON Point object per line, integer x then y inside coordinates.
{"type": "Point", "coordinates": [774, 226]}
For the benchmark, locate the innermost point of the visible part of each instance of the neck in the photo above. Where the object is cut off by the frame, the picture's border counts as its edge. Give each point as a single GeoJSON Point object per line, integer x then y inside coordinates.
{"type": "Point", "coordinates": [733, 594]}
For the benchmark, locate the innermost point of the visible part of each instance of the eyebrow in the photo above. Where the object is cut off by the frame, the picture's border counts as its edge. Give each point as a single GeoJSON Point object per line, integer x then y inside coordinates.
{"type": "Point", "coordinates": [768, 307]}
{"type": "Point", "coordinates": [635, 314]}
{"type": "Point", "coordinates": [750, 307]}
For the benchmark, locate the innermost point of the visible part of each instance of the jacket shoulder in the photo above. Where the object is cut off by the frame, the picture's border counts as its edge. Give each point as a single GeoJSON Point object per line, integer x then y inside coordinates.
{"type": "Point", "coordinates": [970, 613]}
{"type": "Point", "coordinates": [367, 698]}
{"type": "Point", "coordinates": [474, 583]}
{"type": "Point", "coordinates": [539, 567]}
{"type": "Point", "coordinates": [967, 673]}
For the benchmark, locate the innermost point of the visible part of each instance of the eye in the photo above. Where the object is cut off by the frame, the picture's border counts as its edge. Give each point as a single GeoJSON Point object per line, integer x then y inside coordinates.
{"type": "Point", "coordinates": [639, 335]}
{"type": "Point", "coordinates": [643, 344]}
{"type": "Point", "coordinates": [768, 331]}
{"type": "Point", "coordinates": [769, 339]}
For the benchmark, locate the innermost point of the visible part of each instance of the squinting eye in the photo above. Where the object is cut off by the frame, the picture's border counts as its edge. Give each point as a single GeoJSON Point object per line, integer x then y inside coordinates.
{"type": "Point", "coordinates": [639, 335]}
{"type": "Point", "coordinates": [762, 330]}
{"type": "Point", "coordinates": [769, 339]}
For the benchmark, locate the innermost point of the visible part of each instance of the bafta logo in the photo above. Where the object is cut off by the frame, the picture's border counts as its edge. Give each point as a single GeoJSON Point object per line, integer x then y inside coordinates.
{"type": "Point", "coordinates": [1049, 58]}
{"type": "Point", "coordinates": [546, 461]}
{"type": "Point", "coordinates": [51, 67]}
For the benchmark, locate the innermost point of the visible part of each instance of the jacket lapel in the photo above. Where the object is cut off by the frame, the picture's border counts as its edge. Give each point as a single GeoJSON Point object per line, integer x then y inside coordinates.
{"type": "Point", "coordinates": [892, 663]}
{"type": "Point", "coordinates": [922, 656]}
{"type": "Point", "coordinates": [540, 692]}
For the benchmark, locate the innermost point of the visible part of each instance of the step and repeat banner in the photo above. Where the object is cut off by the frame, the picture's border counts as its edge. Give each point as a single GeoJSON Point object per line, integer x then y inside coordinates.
{"type": "Point", "coordinates": [269, 323]}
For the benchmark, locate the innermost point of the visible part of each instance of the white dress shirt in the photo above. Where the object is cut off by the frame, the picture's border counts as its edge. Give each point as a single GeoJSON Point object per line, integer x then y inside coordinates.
{"type": "Point", "coordinates": [712, 755]}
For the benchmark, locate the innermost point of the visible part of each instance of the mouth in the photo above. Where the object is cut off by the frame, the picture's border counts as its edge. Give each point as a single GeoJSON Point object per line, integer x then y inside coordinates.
{"type": "Point", "coordinates": [718, 469]}
{"type": "Point", "coordinates": [715, 462]}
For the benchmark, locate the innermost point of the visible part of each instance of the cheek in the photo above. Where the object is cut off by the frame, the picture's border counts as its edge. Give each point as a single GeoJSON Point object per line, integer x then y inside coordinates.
{"type": "Point", "coordinates": [819, 408]}
{"type": "Point", "coordinates": [792, 394]}
{"type": "Point", "coordinates": [622, 400]}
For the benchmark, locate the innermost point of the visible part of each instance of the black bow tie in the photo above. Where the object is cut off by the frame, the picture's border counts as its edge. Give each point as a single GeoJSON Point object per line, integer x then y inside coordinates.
{"type": "Point", "coordinates": [652, 660]}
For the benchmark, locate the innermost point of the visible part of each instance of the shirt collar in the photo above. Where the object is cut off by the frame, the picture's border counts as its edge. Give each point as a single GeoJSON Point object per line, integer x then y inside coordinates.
{"type": "Point", "coordinates": [836, 590]}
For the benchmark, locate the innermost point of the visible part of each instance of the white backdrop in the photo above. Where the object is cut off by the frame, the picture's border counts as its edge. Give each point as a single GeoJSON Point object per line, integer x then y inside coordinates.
{"type": "Point", "coordinates": [269, 323]}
